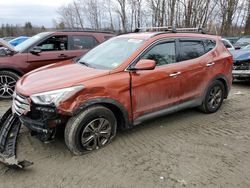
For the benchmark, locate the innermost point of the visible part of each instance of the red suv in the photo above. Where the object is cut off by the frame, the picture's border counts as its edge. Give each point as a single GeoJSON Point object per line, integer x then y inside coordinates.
{"type": "Point", "coordinates": [123, 82]}
{"type": "Point", "coordinates": [43, 49]}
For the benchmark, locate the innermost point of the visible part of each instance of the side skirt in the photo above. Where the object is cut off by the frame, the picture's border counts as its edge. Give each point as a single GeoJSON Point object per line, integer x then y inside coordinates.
{"type": "Point", "coordinates": [188, 104]}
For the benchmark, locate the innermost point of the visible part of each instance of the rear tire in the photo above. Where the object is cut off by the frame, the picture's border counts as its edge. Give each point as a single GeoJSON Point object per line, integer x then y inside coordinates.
{"type": "Point", "coordinates": [214, 97]}
{"type": "Point", "coordinates": [8, 81]}
{"type": "Point", "coordinates": [92, 129]}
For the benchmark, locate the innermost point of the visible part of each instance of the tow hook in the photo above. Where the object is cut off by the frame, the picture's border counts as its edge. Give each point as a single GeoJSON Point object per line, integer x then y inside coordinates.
{"type": "Point", "coordinates": [9, 130]}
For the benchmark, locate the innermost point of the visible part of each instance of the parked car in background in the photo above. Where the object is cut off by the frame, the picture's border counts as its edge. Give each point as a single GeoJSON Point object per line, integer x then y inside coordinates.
{"type": "Point", "coordinates": [5, 48]}
{"type": "Point", "coordinates": [232, 40]}
{"type": "Point", "coordinates": [242, 42]}
{"type": "Point", "coordinates": [125, 81]}
{"type": "Point", "coordinates": [43, 49]}
{"type": "Point", "coordinates": [8, 38]}
{"type": "Point", "coordinates": [227, 44]}
{"type": "Point", "coordinates": [18, 40]}
{"type": "Point", "coordinates": [241, 68]}
{"type": "Point", "coordinates": [246, 47]}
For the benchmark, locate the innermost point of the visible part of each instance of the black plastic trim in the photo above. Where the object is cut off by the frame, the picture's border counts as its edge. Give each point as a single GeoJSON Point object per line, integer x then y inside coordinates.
{"type": "Point", "coordinates": [169, 110]}
{"type": "Point", "coordinates": [102, 101]}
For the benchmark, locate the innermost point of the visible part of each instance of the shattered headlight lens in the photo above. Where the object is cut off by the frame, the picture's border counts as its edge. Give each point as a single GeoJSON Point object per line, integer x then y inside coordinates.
{"type": "Point", "coordinates": [55, 96]}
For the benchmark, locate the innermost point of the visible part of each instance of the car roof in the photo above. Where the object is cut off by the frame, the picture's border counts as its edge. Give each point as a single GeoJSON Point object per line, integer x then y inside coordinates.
{"type": "Point", "coordinates": [89, 32]}
{"type": "Point", "coordinates": [148, 35]}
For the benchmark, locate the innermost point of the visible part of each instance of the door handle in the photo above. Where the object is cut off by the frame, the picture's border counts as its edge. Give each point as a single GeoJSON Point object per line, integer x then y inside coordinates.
{"type": "Point", "coordinates": [210, 64]}
{"type": "Point", "coordinates": [175, 74]}
{"type": "Point", "coordinates": [62, 56]}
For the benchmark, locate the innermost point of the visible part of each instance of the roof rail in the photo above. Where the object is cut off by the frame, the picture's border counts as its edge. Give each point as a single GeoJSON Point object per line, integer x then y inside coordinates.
{"type": "Point", "coordinates": [148, 29]}
{"type": "Point", "coordinates": [191, 30]}
{"type": "Point", "coordinates": [85, 30]}
{"type": "Point", "coordinates": [171, 29]}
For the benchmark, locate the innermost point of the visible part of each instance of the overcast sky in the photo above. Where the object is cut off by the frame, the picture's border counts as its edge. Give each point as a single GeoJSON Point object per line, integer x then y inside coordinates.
{"type": "Point", "coordinates": [38, 12]}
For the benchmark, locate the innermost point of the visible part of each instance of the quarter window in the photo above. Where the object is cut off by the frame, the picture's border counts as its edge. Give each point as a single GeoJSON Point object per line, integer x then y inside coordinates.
{"type": "Point", "coordinates": [83, 42]}
{"type": "Point", "coordinates": [162, 54]}
{"type": "Point", "coordinates": [191, 49]}
{"type": "Point", "coordinates": [209, 45]}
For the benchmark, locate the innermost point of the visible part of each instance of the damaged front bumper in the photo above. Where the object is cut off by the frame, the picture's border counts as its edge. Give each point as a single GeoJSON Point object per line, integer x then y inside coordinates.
{"type": "Point", "coordinates": [9, 129]}
{"type": "Point", "coordinates": [241, 73]}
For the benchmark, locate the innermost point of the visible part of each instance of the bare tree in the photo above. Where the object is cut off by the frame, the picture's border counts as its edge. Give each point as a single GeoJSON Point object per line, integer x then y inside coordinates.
{"type": "Point", "coordinates": [121, 10]}
{"type": "Point", "coordinates": [247, 26]}
{"type": "Point", "coordinates": [228, 9]}
{"type": "Point", "coordinates": [224, 17]}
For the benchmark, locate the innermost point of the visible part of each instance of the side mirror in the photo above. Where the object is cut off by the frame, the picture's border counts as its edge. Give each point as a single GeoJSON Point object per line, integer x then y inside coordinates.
{"type": "Point", "coordinates": [145, 64]}
{"type": "Point", "coordinates": [36, 50]}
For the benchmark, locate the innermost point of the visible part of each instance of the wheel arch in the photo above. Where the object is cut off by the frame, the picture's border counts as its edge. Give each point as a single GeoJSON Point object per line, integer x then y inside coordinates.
{"type": "Point", "coordinates": [225, 82]}
{"type": "Point", "coordinates": [117, 108]}
{"type": "Point", "coordinates": [12, 69]}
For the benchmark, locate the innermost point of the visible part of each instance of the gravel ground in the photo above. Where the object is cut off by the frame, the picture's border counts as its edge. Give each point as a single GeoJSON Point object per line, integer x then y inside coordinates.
{"type": "Point", "coordinates": [185, 149]}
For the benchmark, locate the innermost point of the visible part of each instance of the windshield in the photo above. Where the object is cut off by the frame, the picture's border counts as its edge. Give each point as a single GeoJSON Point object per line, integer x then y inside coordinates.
{"type": "Point", "coordinates": [29, 42]}
{"type": "Point", "coordinates": [111, 53]}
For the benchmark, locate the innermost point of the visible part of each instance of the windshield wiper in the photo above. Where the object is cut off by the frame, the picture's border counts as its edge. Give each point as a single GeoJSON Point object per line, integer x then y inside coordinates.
{"type": "Point", "coordinates": [84, 63]}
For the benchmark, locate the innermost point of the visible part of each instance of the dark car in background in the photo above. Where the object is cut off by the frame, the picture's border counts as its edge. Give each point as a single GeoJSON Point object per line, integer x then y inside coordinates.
{"type": "Point", "coordinates": [232, 40]}
{"type": "Point", "coordinates": [241, 67]}
{"type": "Point", "coordinates": [242, 42]}
{"type": "Point", "coordinates": [43, 49]}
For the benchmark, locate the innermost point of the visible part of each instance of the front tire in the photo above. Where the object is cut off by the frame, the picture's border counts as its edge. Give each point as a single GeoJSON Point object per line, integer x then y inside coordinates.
{"type": "Point", "coordinates": [7, 84]}
{"type": "Point", "coordinates": [213, 98]}
{"type": "Point", "coordinates": [92, 129]}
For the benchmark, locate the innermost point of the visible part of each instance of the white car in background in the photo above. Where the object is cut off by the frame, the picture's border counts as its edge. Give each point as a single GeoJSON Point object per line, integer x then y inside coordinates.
{"type": "Point", "coordinates": [228, 44]}
{"type": "Point", "coordinates": [247, 47]}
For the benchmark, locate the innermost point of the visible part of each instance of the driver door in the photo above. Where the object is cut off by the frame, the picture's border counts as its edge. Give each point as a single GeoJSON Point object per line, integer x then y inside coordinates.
{"type": "Point", "coordinates": [53, 50]}
{"type": "Point", "coordinates": [156, 89]}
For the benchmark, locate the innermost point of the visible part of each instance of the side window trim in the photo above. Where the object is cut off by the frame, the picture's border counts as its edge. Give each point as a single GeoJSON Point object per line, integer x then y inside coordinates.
{"type": "Point", "coordinates": [161, 41]}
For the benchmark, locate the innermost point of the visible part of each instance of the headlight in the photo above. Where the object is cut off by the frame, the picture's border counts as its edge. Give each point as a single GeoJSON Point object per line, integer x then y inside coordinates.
{"type": "Point", "coordinates": [56, 96]}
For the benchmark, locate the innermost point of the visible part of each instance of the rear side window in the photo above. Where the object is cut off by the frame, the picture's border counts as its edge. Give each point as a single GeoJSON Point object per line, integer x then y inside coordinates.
{"type": "Point", "coordinates": [162, 53]}
{"type": "Point", "coordinates": [191, 49]}
{"type": "Point", "coordinates": [82, 42]}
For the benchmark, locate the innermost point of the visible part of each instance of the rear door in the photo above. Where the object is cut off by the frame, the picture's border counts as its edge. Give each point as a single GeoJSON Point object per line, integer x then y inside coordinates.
{"type": "Point", "coordinates": [156, 89]}
{"type": "Point", "coordinates": [192, 59]}
{"type": "Point", "coordinates": [54, 49]}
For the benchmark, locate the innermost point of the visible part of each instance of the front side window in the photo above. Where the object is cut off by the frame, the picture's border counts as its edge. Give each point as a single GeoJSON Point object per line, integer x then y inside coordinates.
{"type": "Point", "coordinates": [55, 43]}
{"type": "Point", "coordinates": [111, 53]}
{"type": "Point", "coordinates": [162, 54]}
{"type": "Point", "coordinates": [82, 42]}
{"type": "Point", "coordinates": [191, 49]}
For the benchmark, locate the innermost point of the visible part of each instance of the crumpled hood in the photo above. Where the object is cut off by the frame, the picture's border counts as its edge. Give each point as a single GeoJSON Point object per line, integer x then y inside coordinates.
{"type": "Point", "coordinates": [56, 76]}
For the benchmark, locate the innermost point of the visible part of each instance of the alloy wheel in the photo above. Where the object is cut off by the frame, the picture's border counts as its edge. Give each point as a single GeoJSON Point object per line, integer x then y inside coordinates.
{"type": "Point", "coordinates": [215, 97]}
{"type": "Point", "coordinates": [96, 134]}
{"type": "Point", "coordinates": [7, 86]}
